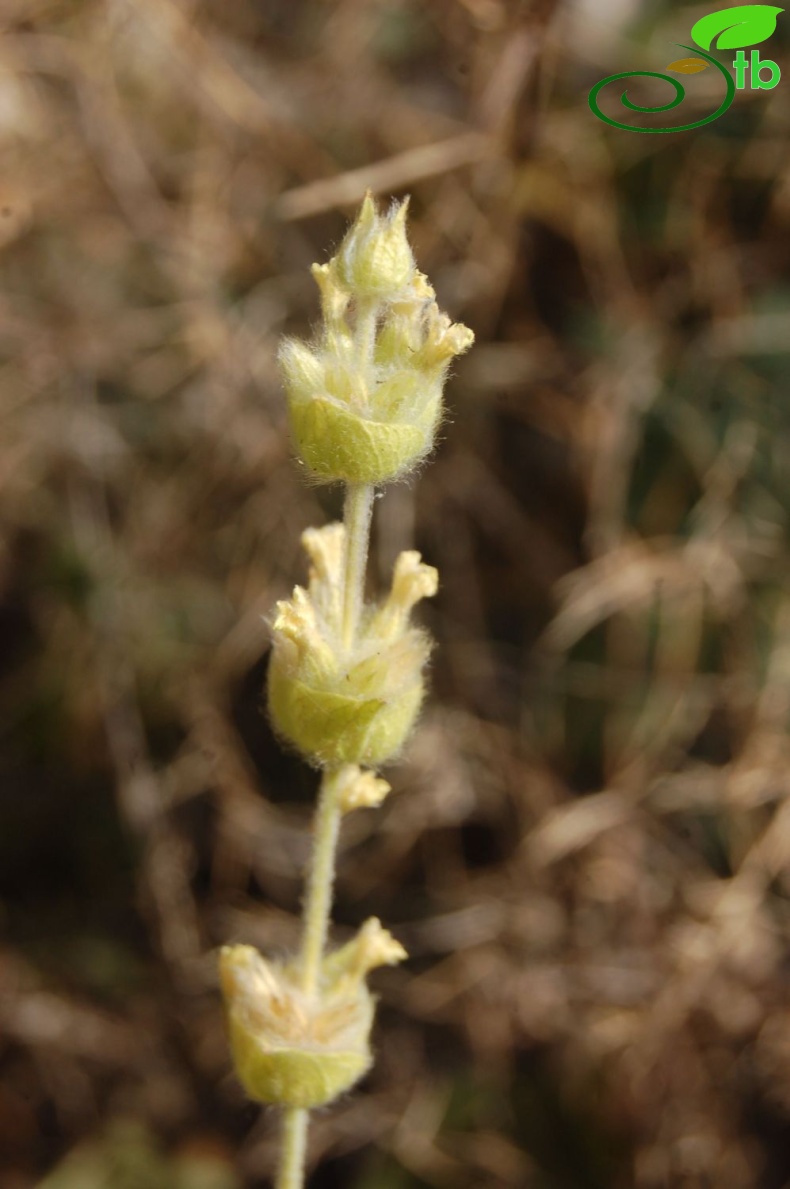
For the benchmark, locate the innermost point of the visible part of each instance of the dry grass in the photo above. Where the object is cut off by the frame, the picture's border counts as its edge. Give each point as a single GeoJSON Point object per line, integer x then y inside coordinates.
{"type": "Point", "coordinates": [587, 853]}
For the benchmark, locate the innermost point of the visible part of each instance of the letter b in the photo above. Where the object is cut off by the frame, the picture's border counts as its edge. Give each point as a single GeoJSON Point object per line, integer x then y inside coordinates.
{"type": "Point", "coordinates": [759, 64]}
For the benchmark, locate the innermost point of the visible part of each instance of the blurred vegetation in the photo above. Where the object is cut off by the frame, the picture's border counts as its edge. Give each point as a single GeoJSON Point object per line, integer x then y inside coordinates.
{"type": "Point", "coordinates": [588, 848]}
{"type": "Point", "coordinates": [126, 1158]}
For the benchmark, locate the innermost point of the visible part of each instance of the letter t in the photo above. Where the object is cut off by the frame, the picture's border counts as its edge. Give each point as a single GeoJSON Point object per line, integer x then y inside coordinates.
{"type": "Point", "coordinates": [741, 65]}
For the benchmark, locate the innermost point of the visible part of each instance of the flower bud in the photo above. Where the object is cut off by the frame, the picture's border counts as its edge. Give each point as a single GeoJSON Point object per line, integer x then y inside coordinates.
{"type": "Point", "coordinates": [291, 1048]}
{"type": "Point", "coordinates": [375, 261]}
{"type": "Point", "coordinates": [334, 298]}
{"type": "Point", "coordinates": [302, 369]}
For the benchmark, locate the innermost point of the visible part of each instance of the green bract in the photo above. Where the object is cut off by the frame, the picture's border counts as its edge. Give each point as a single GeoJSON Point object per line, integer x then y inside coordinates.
{"type": "Point", "coordinates": [329, 727]}
{"type": "Point", "coordinates": [337, 443]}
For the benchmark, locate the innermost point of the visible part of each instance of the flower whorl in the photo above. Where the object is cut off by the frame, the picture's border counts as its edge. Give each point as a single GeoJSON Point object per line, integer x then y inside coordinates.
{"type": "Point", "coordinates": [365, 403]}
{"type": "Point", "coordinates": [354, 704]}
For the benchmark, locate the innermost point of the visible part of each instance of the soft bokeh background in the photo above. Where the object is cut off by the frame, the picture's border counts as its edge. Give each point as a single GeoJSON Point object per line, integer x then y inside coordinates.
{"type": "Point", "coordinates": [587, 849]}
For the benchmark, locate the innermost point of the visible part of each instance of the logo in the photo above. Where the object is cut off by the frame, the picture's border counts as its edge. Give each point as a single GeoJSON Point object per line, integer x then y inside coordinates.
{"type": "Point", "coordinates": [731, 29]}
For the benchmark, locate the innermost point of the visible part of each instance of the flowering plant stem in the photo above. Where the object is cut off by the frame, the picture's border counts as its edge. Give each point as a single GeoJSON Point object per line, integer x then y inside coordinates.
{"type": "Point", "coordinates": [346, 678]}
{"type": "Point", "coordinates": [292, 1148]}
{"type": "Point", "coordinates": [357, 515]}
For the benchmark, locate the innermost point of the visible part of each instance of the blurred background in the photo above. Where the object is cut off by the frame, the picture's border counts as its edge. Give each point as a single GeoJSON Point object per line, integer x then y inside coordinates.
{"type": "Point", "coordinates": [587, 850]}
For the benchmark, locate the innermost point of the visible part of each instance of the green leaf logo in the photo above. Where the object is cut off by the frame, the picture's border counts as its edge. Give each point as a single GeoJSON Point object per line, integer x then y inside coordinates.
{"type": "Point", "coordinates": [746, 24]}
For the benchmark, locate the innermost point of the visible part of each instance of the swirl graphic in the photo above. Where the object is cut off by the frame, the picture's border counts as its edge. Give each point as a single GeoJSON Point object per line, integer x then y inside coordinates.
{"type": "Point", "coordinates": [680, 95]}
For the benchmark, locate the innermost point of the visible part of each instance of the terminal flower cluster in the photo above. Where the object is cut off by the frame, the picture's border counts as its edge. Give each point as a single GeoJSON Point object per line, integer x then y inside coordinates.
{"type": "Point", "coordinates": [369, 416]}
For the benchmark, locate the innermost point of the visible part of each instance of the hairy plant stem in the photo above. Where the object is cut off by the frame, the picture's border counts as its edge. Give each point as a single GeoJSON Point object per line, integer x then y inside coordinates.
{"type": "Point", "coordinates": [357, 514]}
{"type": "Point", "coordinates": [318, 901]}
{"type": "Point", "coordinates": [292, 1149]}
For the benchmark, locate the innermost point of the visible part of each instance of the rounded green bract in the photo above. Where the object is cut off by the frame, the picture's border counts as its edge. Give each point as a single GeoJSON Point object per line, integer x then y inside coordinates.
{"type": "Point", "coordinates": [291, 1076]}
{"type": "Point", "coordinates": [338, 444]}
{"type": "Point", "coordinates": [329, 727]}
